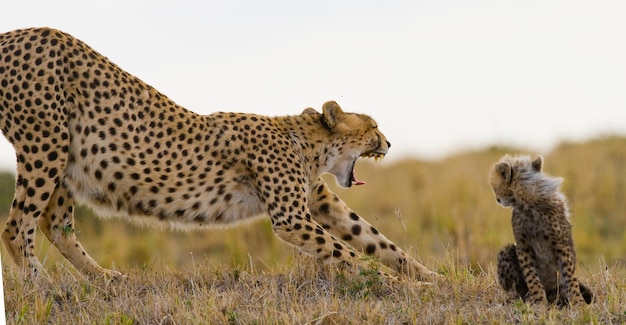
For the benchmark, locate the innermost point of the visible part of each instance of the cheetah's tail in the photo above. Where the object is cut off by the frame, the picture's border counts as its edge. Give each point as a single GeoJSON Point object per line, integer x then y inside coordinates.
{"type": "Point", "coordinates": [587, 294]}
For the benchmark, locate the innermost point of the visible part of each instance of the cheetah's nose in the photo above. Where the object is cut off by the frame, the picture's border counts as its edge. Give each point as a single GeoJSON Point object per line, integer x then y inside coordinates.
{"type": "Point", "coordinates": [388, 144]}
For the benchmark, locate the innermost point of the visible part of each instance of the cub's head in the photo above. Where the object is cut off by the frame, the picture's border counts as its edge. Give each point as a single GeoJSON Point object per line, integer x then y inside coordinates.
{"type": "Point", "coordinates": [348, 137]}
{"type": "Point", "coordinates": [519, 179]}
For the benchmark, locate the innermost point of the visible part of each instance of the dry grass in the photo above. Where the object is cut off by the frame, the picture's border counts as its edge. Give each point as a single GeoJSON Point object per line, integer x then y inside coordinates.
{"type": "Point", "coordinates": [442, 212]}
{"type": "Point", "coordinates": [302, 293]}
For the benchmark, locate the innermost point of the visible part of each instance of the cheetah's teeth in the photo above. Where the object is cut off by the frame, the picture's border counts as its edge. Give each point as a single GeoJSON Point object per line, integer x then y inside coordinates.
{"type": "Point", "coordinates": [376, 156]}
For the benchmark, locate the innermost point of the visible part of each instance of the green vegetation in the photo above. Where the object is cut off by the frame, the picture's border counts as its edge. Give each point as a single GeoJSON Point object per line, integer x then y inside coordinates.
{"type": "Point", "coordinates": [442, 212]}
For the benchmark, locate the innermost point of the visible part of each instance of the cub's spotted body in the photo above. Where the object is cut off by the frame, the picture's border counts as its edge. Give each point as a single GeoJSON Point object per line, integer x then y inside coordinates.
{"type": "Point", "coordinates": [85, 129]}
{"type": "Point", "coordinates": [540, 267]}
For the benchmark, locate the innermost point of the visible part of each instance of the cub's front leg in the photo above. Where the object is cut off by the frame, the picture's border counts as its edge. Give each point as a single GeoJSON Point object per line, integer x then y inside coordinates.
{"type": "Point", "coordinates": [335, 217]}
{"type": "Point", "coordinates": [528, 261]}
{"type": "Point", "coordinates": [567, 267]}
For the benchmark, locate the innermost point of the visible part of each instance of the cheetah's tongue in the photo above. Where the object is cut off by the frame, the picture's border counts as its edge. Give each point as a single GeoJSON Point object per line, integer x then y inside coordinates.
{"type": "Point", "coordinates": [356, 181]}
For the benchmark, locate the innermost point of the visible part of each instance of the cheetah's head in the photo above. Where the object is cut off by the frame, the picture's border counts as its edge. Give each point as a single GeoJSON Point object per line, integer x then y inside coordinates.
{"type": "Point", "coordinates": [516, 179]}
{"type": "Point", "coordinates": [351, 136]}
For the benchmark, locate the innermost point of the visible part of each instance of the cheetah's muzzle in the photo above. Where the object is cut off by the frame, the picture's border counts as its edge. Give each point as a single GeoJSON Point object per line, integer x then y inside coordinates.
{"type": "Point", "coordinates": [378, 153]}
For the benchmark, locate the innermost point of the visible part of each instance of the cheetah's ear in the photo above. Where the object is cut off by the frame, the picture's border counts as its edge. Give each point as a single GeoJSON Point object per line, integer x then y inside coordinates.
{"type": "Point", "coordinates": [309, 111]}
{"type": "Point", "coordinates": [332, 113]}
{"type": "Point", "coordinates": [505, 171]}
{"type": "Point", "coordinates": [537, 163]}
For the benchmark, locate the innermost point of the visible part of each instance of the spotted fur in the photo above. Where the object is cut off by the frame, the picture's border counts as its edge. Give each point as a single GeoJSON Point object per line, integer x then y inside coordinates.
{"type": "Point", "coordinates": [540, 267]}
{"type": "Point", "coordinates": [84, 129]}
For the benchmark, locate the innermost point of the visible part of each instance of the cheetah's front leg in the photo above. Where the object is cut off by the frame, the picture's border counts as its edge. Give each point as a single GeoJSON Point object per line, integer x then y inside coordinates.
{"type": "Point", "coordinates": [304, 233]}
{"type": "Point", "coordinates": [292, 223]}
{"type": "Point", "coordinates": [334, 216]}
{"type": "Point", "coordinates": [528, 261]}
{"type": "Point", "coordinates": [567, 266]}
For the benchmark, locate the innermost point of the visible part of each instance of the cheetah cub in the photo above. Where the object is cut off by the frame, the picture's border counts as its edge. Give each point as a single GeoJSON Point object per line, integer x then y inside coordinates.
{"type": "Point", "coordinates": [540, 266]}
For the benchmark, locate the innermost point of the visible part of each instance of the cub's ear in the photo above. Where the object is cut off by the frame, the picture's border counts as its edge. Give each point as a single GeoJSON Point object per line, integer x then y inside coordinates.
{"type": "Point", "coordinates": [309, 111]}
{"type": "Point", "coordinates": [505, 170]}
{"type": "Point", "coordinates": [537, 163]}
{"type": "Point", "coordinates": [332, 113]}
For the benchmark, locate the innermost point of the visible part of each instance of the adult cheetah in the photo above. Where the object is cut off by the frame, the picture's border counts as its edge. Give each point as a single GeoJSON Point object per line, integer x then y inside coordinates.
{"type": "Point", "coordinates": [540, 268]}
{"type": "Point", "coordinates": [84, 129]}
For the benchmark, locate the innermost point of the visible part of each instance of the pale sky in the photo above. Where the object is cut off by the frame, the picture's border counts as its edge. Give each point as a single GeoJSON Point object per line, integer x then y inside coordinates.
{"type": "Point", "coordinates": [438, 76]}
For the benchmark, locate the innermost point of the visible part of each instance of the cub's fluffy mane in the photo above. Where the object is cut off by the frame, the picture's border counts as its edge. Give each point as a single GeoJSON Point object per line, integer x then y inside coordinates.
{"type": "Point", "coordinates": [538, 185]}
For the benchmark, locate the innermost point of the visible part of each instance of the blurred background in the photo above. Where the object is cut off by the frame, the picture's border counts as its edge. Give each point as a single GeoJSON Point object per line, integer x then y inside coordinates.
{"type": "Point", "coordinates": [453, 85]}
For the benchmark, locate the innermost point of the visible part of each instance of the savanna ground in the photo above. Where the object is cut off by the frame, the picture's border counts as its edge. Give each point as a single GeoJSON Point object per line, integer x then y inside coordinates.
{"type": "Point", "coordinates": [443, 212]}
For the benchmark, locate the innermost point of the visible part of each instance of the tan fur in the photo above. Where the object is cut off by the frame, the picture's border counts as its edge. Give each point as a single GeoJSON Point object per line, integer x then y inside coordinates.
{"type": "Point", "coordinates": [540, 267]}
{"type": "Point", "coordinates": [85, 129]}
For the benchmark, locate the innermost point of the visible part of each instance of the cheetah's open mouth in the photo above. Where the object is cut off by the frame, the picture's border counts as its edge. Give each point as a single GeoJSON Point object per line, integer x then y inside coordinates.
{"type": "Point", "coordinates": [370, 154]}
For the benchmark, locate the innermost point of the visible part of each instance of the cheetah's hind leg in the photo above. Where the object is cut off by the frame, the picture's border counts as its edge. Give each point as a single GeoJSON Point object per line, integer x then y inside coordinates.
{"type": "Point", "coordinates": [18, 236]}
{"type": "Point", "coordinates": [57, 223]}
{"type": "Point", "coordinates": [510, 274]}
